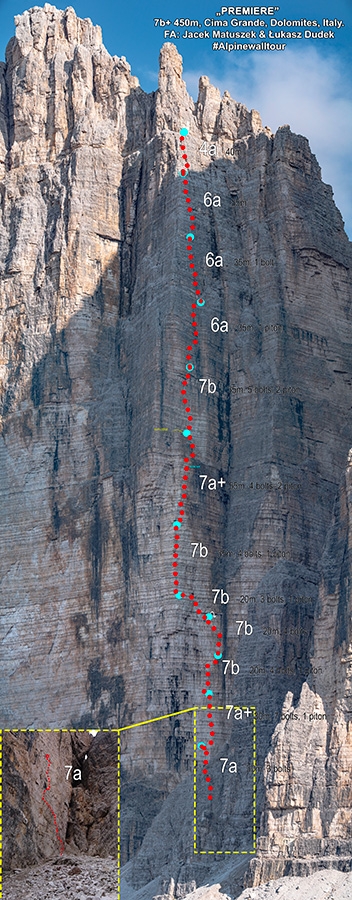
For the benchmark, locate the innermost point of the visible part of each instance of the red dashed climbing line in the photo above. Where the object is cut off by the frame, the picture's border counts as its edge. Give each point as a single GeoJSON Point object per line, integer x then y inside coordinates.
{"type": "Point", "coordinates": [181, 504]}
{"type": "Point", "coordinates": [47, 776]}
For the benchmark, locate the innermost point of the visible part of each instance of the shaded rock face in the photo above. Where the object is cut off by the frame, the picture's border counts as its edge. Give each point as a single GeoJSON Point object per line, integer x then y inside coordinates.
{"type": "Point", "coordinates": [94, 300]}
{"type": "Point", "coordinates": [92, 822]}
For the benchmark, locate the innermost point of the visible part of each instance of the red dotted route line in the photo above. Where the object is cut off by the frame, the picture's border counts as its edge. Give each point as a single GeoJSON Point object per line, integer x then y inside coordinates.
{"type": "Point", "coordinates": [188, 434]}
{"type": "Point", "coordinates": [47, 776]}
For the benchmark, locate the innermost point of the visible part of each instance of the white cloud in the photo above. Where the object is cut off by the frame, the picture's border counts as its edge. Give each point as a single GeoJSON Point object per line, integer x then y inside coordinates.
{"type": "Point", "coordinates": [306, 90]}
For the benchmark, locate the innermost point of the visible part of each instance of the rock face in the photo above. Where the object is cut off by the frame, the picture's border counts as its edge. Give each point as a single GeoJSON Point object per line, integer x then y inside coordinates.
{"type": "Point", "coordinates": [94, 315]}
{"type": "Point", "coordinates": [307, 818]}
{"type": "Point", "coordinates": [31, 781]}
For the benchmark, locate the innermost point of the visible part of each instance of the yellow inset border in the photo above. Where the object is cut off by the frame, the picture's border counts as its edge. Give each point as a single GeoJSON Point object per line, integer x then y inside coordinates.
{"type": "Point", "coordinates": [118, 731]}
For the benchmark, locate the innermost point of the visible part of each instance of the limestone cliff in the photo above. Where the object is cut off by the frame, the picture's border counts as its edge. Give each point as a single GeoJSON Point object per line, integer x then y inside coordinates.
{"type": "Point", "coordinates": [94, 322]}
{"type": "Point", "coordinates": [307, 818]}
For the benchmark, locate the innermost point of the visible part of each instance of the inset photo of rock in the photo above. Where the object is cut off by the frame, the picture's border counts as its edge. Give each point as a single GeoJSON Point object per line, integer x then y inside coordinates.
{"type": "Point", "coordinates": [59, 813]}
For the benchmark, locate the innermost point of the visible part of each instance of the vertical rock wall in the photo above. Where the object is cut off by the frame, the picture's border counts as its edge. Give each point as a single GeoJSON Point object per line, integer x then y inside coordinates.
{"type": "Point", "coordinates": [94, 294]}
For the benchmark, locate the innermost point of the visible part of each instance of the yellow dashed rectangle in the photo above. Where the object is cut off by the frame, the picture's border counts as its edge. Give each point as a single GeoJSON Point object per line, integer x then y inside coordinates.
{"type": "Point", "coordinates": [254, 753]}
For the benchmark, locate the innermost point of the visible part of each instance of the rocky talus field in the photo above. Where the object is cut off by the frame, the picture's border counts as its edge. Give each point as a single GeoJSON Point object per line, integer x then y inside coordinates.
{"type": "Point", "coordinates": [94, 321]}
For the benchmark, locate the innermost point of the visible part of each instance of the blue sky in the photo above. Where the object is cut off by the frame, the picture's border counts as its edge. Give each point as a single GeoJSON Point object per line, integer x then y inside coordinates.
{"type": "Point", "coordinates": [308, 85]}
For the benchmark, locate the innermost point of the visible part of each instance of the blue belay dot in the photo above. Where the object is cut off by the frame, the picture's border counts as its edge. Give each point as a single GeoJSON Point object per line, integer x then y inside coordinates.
{"type": "Point", "coordinates": [200, 302]}
{"type": "Point", "coordinates": [177, 523]}
{"type": "Point", "coordinates": [189, 235]}
{"type": "Point", "coordinates": [178, 596]}
{"type": "Point", "coordinates": [217, 655]}
{"type": "Point", "coordinates": [186, 432]}
{"type": "Point", "coordinates": [183, 131]}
